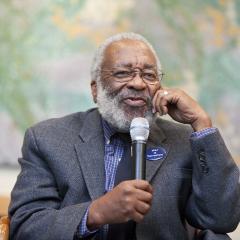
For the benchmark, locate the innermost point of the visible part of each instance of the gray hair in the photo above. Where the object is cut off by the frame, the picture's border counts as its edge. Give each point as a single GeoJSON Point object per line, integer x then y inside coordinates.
{"type": "Point", "coordinates": [99, 55]}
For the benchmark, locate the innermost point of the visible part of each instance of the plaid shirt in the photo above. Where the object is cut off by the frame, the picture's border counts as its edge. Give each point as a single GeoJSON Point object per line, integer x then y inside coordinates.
{"type": "Point", "coordinates": [114, 149]}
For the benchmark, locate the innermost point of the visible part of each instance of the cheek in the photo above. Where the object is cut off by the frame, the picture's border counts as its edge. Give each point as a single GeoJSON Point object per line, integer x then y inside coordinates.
{"type": "Point", "coordinates": [112, 87]}
{"type": "Point", "coordinates": [153, 89]}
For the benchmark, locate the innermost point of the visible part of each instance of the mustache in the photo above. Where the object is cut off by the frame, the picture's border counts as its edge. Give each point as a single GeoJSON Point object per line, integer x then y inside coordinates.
{"type": "Point", "coordinates": [122, 94]}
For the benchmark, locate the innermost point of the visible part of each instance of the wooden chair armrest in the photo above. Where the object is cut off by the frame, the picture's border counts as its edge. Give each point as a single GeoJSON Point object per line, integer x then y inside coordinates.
{"type": "Point", "coordinates": [4, 228]}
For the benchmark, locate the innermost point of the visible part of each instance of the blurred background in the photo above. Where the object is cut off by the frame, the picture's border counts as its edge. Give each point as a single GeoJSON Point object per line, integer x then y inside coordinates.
{"type": "Point", "coordinates": [46, 49]}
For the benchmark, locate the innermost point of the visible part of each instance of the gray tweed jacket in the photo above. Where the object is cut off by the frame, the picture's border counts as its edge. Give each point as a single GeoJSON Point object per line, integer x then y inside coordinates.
{"type": "Point", "coordinates": [62, 171]}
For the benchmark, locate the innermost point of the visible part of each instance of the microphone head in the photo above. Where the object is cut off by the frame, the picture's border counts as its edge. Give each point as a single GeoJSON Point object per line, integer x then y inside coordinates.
{"type": "Point", "coordinates": [139, 129]}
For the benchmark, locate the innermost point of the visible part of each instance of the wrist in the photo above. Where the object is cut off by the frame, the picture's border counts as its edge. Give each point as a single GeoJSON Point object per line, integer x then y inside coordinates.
{"type": "Point", "coordinates": [202, 123]}
{"type": "Point", "coordinates": [95, 218]}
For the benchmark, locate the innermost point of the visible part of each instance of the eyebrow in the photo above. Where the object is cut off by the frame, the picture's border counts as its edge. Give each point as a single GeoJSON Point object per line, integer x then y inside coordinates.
{"type": "Point", "coordinates": [130, 65]}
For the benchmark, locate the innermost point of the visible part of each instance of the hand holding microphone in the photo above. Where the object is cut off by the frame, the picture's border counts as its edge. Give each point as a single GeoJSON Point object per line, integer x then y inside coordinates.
{"type": "Point", "coordinates": [129, 200]}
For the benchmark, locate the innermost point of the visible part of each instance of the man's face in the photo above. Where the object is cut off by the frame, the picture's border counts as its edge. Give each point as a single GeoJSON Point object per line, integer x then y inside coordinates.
{"type": "Point", "coordinates": [132, 98]}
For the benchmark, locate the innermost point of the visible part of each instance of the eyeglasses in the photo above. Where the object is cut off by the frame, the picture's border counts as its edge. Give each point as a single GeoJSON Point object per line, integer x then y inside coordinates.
{"type": "Point", "coordinates": [123, 75]}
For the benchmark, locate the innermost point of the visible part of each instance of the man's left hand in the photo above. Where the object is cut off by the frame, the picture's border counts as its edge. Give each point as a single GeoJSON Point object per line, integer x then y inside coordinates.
{"type": "Point", "coordinates": [181, 107]}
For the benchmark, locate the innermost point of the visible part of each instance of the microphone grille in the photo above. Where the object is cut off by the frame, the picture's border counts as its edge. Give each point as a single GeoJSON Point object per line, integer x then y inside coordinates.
{"type": "Point", "coordinates": [139, 129]}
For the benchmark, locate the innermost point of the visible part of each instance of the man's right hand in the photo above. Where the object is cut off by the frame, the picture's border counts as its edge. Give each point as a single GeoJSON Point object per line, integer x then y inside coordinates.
{"type": "Point", "coordinates": [130, 200]}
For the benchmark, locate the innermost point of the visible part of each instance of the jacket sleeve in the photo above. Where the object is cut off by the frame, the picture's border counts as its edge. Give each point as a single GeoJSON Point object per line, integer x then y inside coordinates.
{"type": "Point", "coordinates": [35, 208]}
{"type": "Point", "coordinates": [215, 199]}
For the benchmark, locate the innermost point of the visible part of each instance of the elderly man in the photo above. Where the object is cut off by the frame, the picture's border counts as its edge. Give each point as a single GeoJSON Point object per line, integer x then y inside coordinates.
{"type": "Point", "coordinates": [76, 173]}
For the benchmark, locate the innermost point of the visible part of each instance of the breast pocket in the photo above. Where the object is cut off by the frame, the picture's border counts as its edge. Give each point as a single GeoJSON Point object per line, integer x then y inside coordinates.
{"type": "Point", "coordinates": [185, 173]}
{"type": "Point", "coordinates": [178, 182]}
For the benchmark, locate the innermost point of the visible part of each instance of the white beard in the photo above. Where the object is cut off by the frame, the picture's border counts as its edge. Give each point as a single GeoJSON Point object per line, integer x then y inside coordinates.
{"type": "Point", "coordinates": [111, 111]}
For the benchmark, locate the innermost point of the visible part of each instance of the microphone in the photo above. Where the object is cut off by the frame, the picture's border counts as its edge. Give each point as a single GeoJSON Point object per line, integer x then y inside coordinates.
{"type": "Point", "coordinates": [139, 131]}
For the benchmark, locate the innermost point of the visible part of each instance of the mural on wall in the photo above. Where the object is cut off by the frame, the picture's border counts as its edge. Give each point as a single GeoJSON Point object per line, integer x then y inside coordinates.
{"type": "Point", "coordinates": [46, 48]}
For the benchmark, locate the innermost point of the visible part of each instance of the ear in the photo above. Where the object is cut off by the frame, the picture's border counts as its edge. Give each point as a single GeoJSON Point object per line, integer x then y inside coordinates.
{"type": "Point", "coordinates": [94, 90]}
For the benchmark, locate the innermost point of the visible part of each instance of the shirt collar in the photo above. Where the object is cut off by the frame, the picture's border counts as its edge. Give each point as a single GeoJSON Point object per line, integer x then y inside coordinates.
{"type": "Point", "coordinates": [108, 131]}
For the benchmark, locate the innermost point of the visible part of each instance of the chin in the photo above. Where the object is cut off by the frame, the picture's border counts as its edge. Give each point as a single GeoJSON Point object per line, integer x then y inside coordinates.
{"type": "Point", "coordinates": [132, 112]}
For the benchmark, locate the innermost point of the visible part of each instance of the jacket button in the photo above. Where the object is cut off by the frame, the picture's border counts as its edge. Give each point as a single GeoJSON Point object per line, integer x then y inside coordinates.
{"type": "Point", "coordinates": [201, 154]}
{"type": "Point", "coordinates": [205, 170]}
{"type": "Point", "coordinates": [202, 159]}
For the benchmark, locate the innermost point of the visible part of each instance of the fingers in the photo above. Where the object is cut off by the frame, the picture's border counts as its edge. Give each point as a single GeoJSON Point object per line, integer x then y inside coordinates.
{"type": "Point", "coordinates": [137, 217]}
{"type": "Point", "coordinates": [143, 185]}
{"type": "Point", "coordinates": [135, 209]}
{"type": "Point", "coordinates": [128, 200]}
{"type": "Point", "coordinates": [138, 198]}
{"type": "Point", "coordinates": [142, 207]}
{"type": "Point", "coordinates": [140, 189]}
{"type": "Point", "coordinates": [163, 98]}
{"type": "Point", "coordinates": [144, 196]}
{"type": "Point", "coordinates": [160, 102]}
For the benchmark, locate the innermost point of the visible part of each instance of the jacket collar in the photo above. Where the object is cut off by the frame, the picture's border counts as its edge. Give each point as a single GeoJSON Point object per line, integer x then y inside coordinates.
{"type": "Point", "coordinates": [90, 152]}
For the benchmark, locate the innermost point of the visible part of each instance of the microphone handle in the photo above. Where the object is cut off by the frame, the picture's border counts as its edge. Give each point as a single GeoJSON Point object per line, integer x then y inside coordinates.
{"type": "Point", "coordinates": [139, 159]}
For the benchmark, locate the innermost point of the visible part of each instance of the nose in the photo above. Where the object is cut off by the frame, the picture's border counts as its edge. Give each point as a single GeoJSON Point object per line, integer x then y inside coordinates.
{"type": "Point", "coordinates": [137, 82]}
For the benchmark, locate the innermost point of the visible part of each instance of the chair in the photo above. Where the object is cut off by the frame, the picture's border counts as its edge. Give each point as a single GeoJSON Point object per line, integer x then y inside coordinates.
{"type": "Point", "coordinates": [4, 228]}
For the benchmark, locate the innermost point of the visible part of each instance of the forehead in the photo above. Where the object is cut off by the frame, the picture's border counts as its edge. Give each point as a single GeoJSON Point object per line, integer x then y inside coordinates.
{"type": "Point", "coordinates": [130, 53]}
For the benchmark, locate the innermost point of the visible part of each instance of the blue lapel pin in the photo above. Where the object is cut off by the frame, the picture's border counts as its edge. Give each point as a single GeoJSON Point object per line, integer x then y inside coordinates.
{"type": "Point", "coordinates": [156, 153]}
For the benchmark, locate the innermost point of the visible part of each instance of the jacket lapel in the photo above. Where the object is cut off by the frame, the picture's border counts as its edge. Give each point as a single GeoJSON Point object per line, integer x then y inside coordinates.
{"type": "Point", "coordinates": [90, 152]}
{"type": "Point", "coordinates": [157, 138]}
